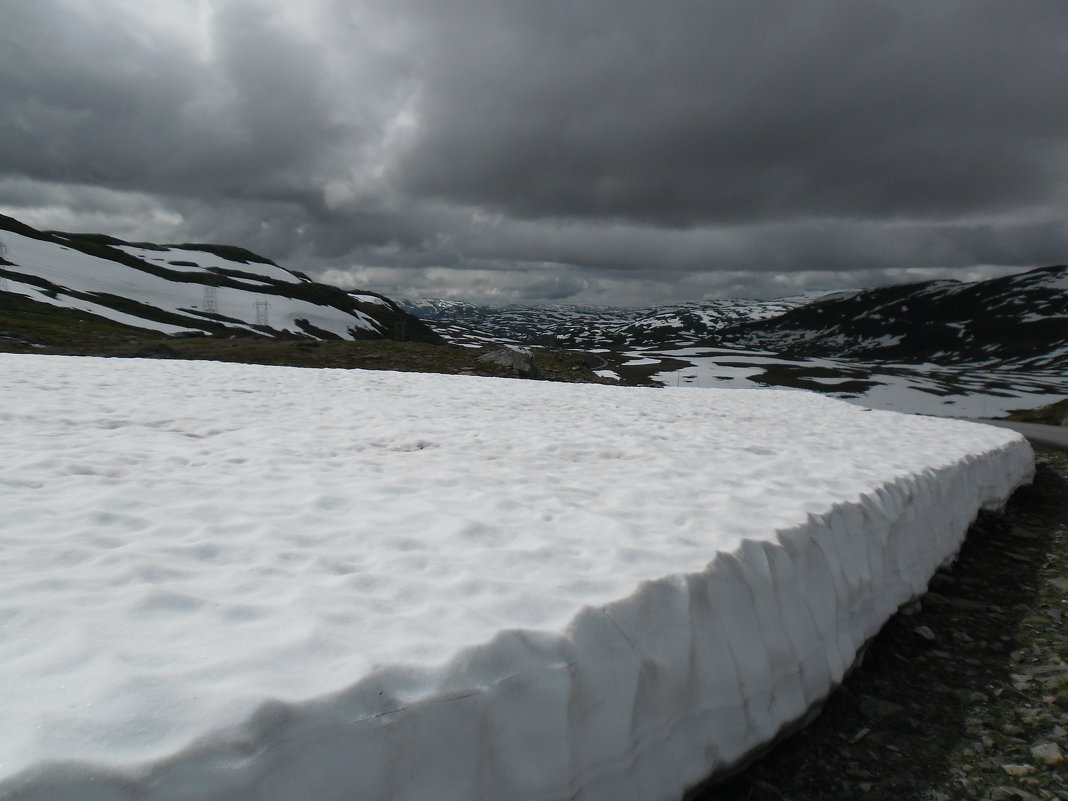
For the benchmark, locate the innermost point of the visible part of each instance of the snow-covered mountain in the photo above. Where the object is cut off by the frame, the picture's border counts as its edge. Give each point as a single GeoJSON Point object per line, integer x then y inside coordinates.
{"type": "Point", "coordinates": [582, 327]}
{"type": "Point", "coordinates": [981, 349]}
{"type": "Point", "coordinates": [174, 289]}
{"type": "Point", "coordinates": [1019, 320]}
{"type": "Point", "coordinates": [686, 323]}
{"type": "Point", "coordinates": [538, 325]}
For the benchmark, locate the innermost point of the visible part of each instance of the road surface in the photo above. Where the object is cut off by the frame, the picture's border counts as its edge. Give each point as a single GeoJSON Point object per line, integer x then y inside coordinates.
{"type": "Point", "coordinates": [1057, 436]}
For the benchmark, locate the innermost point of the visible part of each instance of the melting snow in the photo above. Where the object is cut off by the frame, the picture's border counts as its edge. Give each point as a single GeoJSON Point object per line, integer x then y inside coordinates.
{"type": "Point", "coordinates": [975, 391]}
{"type": "Point", "coordinates": [237, 582]}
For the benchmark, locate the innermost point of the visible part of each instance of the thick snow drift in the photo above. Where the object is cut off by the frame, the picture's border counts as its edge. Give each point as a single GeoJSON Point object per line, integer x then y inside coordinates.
{"type": "Point", "coordinates": [244, 582]}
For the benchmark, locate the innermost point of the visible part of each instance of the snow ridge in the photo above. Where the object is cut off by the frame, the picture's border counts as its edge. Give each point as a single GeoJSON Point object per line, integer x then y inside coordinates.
{"type": "Point", "coordinates": [538, 592]}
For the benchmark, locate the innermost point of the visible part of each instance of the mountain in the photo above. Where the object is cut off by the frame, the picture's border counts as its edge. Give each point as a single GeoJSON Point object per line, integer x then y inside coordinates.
{"type": "Point", "coordinates": [536, 325]}
{"type": "Point", "coordinates": [190, 289]}
{"type": "Point", "coordinates": [1019, 320]}
{"type": "Point", "coordinates": [582, 327]}
{"type": "Point", "coordinates": [685, 324]}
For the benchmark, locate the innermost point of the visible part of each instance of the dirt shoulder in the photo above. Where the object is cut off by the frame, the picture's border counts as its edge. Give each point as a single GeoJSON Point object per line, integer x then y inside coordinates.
{"type": "Point", "coordinates": [964, 698]}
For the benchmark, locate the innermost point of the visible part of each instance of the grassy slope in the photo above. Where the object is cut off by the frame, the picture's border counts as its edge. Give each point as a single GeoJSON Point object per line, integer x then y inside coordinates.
{"type": "Point", "coordinates": [25, 322]}
{"type": "Point", "coordinates": [1052, 415]}
{"type": "Point", "coordinates": [28, 326]}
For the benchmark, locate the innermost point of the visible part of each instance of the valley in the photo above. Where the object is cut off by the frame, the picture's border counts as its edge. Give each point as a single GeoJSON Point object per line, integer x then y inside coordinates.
{"type": "Point", "coordinates": [981, 349]}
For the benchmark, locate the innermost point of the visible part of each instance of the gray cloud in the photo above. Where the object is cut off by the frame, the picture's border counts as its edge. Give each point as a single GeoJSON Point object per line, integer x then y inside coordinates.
{"type": "Point", "coordinates": [693, 112]}
{"type": "Point", "coordinates": [533, 148]}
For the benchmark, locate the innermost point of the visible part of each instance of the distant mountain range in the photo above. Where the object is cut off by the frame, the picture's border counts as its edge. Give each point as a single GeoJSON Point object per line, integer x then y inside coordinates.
{"type": "Point", "coordinates": [977, 349]}
{"type": "Point", "coordinates": [534, 325]}
{"type": "Point", "coordinates": [583, 327]}
{"type": "Point", "coordinates": [190, 289]}
{"type": "Point", "coordinates": [1019, 320]}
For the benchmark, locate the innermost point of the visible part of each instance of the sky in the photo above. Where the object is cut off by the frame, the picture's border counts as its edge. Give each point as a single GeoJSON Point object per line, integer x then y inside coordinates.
{"type": "Point", "coordinates": [615, 152]}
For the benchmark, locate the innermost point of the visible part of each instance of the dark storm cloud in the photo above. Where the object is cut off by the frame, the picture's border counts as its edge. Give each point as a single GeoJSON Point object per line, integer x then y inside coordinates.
{"type": "Point", "coordinates": [688, 111]}
{"type": "Point", "coordinates": [88, 100]}
{"type": "Point", "coordinates": [597, 149]}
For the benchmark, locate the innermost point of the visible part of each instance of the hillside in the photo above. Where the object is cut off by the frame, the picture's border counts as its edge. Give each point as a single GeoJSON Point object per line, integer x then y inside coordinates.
{"type": "Point", "coordinates": [187, 289]}
{"type": "Point", "coordinates": [1019, 320]}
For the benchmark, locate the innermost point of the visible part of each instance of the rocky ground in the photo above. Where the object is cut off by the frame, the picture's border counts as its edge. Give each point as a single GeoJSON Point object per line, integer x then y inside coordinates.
{"type": "Point", "coordinates": [963, 696]}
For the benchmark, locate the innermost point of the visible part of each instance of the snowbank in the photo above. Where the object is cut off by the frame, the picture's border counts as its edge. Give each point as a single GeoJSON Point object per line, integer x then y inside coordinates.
{"type": "Point", "coordinates": [245, 582]}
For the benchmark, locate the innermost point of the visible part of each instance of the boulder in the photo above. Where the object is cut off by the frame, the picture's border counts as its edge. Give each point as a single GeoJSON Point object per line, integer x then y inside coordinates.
{"type": "Point", "coordinates": [519, 361]}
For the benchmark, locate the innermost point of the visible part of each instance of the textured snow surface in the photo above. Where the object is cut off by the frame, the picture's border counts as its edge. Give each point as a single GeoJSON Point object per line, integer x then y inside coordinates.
{"type": "Point", "coordinates": [246, 582]}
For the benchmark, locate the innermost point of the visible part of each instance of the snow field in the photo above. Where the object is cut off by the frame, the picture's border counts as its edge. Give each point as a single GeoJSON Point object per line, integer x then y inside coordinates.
{"type": "Point", "coordinates": [245, 582]}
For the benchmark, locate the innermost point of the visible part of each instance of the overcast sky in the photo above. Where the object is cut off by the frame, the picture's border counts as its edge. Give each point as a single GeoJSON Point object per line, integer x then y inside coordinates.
{"type": "Point", "coordinates": [594, 151]}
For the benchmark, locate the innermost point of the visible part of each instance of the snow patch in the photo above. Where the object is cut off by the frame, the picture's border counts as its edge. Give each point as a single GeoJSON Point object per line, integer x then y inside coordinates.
{"type": "Point", "coordinates": [181, 259]}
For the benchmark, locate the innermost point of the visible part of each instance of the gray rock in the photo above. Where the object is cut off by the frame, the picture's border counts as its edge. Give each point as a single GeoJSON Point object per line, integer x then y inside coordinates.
{"type": "Point", "coordinates": [763, 790]}
{"type": "Point", "coordinates": [1011, 794]}
{"type": "Point", "coordinates": [926, 633]}
{"type": "Point", "coordinates": [967, 605]}
{"type": "Point", "coordinates": [911, 608]}
{"type": "Point", "coordinates": [1047, 753]}
{"type": "Point", "coordinates": [935, 600]}
{"type": "Point", "coordinates": [519, 360]}
{"type": "Point", "coordinates": [872, 707]}
{"type": "Point", "coordinates": [1019, 770]}
{"type": "Point", "coordinates": [942, 581]}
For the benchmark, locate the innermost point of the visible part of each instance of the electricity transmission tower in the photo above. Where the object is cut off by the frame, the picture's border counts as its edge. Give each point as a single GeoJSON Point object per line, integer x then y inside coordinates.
{"type": "Point", "coordinates": [263, 309]}
{"type": "Point", "coordinates": [211, 299]}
